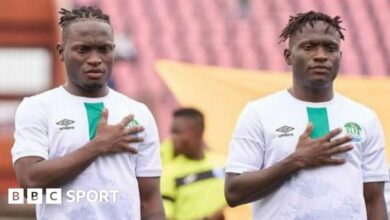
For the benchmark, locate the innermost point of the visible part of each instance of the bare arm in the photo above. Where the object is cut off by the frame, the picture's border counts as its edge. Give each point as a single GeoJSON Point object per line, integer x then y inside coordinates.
{"type": "Point", "coordinates": [35, 172]}
{"type": "Point", "coordinates": [151, 201]}
{"type": "Point", "coordinates": [375, 201]}
{"type": "Point", "coordinates": [251, 186]}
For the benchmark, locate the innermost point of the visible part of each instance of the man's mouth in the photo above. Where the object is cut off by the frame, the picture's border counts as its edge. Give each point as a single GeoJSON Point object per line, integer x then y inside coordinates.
{"type": "Point", "coordinates": [320, 69]}
{"type": "Point", "coordinates": [94, 73]}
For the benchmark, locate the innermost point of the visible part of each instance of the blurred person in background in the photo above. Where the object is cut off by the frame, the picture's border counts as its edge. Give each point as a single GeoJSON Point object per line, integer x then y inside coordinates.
{"type": "Point", "coordinates": [85, 136]}
{"type": "Point", "coordinates": [308, 152]}
{"type": "Point", "coordinates": [192, 180]}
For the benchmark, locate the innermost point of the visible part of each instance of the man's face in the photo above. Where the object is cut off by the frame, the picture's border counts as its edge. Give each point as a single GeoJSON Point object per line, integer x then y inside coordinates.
{"type": "Point", "coordinates": [314, 55]}
{"type": "Point", "coordinates": [186, 136]}
{"type": "Point", "coordinates": [87, 50]}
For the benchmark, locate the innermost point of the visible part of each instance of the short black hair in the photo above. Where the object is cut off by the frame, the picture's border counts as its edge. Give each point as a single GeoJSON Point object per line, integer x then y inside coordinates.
{"type": "Point", "coordinates": [191, 113]}
{"type": "Point", "coordinates": [68, 17]}
{"type": "Point", "coordinates": [296, 23]}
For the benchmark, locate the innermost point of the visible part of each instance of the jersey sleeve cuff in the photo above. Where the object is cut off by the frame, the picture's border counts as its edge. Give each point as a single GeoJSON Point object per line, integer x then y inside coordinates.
{"type": "Point", "coordinates": [29, 153]}
{"type": "Point", "coordinates": [148, 173]}
{"type": "Point", "coordinates": [376, 178]}
{"type": "Point", "coordinates": [239, 169]}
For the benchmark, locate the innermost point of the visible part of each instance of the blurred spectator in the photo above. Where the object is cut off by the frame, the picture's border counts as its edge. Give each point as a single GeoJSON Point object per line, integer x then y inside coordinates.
{"type": "Point", "coordinates": [192, 181]}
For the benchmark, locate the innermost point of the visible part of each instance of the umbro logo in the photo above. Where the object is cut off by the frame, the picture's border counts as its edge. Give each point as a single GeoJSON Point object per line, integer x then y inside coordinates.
{"type": "Point", "coordinates": [65, 123]}
{"type": "Point", "coordinates": [285, 130]}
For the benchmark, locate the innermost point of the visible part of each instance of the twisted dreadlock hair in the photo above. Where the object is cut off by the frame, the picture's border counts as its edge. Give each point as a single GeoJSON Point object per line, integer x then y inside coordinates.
{"type": "Point", "coordinates": [82, 13]}
{"type": "Point", "coordinates": [295, 23]}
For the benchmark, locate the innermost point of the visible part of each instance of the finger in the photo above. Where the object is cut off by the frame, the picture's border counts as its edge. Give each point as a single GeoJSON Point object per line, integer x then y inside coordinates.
{"type": "Point", "coordinates": [340, 141]}
{"type": "Point", "coordinates": [131, 139]}
{"type": "Point", "coordinates": [131, 149]}
{"type": "Point", "coordinates": [104, 116]}
{"type": "Point", "coordinates": [308, 130]}
{"type": "Point", "coordinates": [341, 149]}
{"type": "Point", "coordinates": [334, 161]}
{"type": "Point", "coordinates": [126, 120]}
{"type": "Point", "coordinates": [332, 134]}
{"type": "Point", "coordinates": [134, 130]}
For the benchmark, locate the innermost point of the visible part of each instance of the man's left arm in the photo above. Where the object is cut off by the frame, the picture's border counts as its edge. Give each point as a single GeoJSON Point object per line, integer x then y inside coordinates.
{"type": "Point", "coordinates": [150, 196]}
{"type": "Point", "coordinates": [375, 201]}
{"type": "Point", "coordinates": [375, 169]}
{"type": "Point", "coordinates": [148, 169]}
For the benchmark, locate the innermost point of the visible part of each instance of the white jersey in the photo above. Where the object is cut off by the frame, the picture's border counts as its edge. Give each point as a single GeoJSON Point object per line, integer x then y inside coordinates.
{"type": "Point", "coordinates": [267, 132]}
{"type": "Point", "coordinates": [56, 123]}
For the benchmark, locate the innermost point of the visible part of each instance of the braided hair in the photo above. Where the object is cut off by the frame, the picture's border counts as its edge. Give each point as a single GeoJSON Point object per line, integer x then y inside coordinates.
{"type": "Point", "coordinates": [82, 13]}
{"type": "Point", "coordinates": [296, 23]}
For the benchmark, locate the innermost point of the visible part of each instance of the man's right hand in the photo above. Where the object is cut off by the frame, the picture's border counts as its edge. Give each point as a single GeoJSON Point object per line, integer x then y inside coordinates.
{"type": "Point", "coordinates": [36, 172]}
{"type": "Point", "coordinates": [318, 152]}
{"type": "Point", "coordinates": [116, 138]}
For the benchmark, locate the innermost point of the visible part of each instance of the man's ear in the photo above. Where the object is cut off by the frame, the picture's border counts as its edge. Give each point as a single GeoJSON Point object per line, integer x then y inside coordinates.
{"type": "Point", "coordinates": [287, 56]}
{"type": "Point", "coordinates": [60, 51]}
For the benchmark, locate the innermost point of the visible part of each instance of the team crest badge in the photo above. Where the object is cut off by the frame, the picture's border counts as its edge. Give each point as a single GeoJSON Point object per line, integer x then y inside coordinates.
{"type": "Point", "coordinates": [354, 129]}
{"type": "Point", "coordinates": [133, 123]}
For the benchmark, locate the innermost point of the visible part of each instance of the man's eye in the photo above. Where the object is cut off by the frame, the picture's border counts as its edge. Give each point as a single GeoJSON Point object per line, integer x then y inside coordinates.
{"type": "Point", "coordinates": [105, 49]}
{"type": "Point", "coordinates": [332, 48]}
{"type": "Point", "coordinates": [82, 49]}
{"type": "Point", "coordinates": [307, 46]}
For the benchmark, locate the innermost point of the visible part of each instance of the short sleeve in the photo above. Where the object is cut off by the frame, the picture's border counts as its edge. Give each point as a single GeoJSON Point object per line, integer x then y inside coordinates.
{"type": "Point", "coordinates": [31, 130]}
{"type": "Point", "coordinates": [148, 162]}
{"type": "Point", "coordinates": [374, 159]}
{"type": "Point", "coordinates": [246, 151]}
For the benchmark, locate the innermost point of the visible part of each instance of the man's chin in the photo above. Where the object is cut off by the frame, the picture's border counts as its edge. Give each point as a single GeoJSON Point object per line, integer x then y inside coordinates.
{"type": "Point", "coordinates": [93, 86]}
{"type": "Point", "coordinates": [320, 83]}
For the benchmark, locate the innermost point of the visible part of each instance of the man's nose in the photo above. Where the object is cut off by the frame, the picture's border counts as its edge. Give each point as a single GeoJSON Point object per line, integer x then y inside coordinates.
{"type": "Point", "coordinates": [94, 59]}
{"type": "Point", "coordinates": [320, 55]}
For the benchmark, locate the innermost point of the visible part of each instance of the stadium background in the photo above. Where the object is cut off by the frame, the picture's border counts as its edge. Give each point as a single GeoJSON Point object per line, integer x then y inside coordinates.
{"type": "Point", "coordinates": [212, 54]}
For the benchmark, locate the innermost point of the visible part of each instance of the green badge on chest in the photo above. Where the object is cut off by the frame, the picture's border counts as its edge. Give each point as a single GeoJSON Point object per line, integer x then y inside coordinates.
{"type": "Point", "coordinates": [94, 112]}
{"type": "Point", "coordinates": [318, 117]}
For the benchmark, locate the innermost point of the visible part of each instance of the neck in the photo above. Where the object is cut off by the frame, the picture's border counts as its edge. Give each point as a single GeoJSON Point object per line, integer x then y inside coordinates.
{"type": "Point", "coordinates": [197, 156]}
{"type": "Point", "coordinates": [90, 93]}
{"type": "Point", "coordinates": [312, 94]}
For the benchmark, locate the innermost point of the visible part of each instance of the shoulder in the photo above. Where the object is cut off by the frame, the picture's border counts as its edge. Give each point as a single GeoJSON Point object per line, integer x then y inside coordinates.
{"type": "Point", "coordinates": [361, 113]}
{"type": "Point", "coordinates": [35, 110]}
{"type": "Point", "coordinates": [39, 101]}
{"type": "Point", "coordinates": [46, 95]}
{"type": "Point", "coordinates": [348, 104]}
{"type": "Point", "coordinates": [138, 107]}
{"type": "Point", "coordinates": [122, 97]}
{"type": "Point", "coordinates": [269, 101]}
{"type": "Point", "coordinates": [265, 105]}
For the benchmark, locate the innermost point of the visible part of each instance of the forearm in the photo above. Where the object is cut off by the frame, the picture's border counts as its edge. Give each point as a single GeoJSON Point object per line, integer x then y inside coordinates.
{"type": "Point", "coordinates": [376, 210]}
{"type": "Point", "coordinates": [375, 200]}
{"type": "Point", "coordinates": [56, 172]}
{"type": "Point", "coordinates": [149, 215]}
{"type": "Point", "coordinates": [251, 186]}
{"type": "Point", "coordinates": [151, 200]}
{"type": "Point", "coordinates": [152, 209]}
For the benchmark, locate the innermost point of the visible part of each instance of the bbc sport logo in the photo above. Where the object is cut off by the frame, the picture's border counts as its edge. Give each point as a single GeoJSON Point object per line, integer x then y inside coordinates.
{"type": "Point", "coordinates": [54, 196]}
